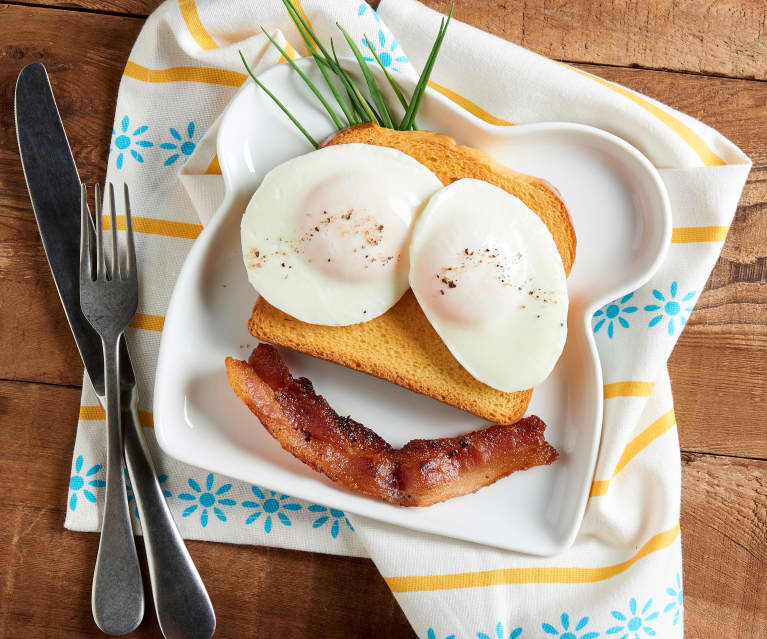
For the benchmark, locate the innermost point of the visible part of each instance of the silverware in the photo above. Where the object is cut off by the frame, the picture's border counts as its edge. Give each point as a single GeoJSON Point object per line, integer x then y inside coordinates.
{"type": "Point", "coordinates": [183, 607]}
{"type": "Point", "coordinates": [109, 299]}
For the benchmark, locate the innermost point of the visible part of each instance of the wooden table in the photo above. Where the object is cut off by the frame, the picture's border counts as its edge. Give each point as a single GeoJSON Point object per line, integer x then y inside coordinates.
{"type": "Point", "coordinates": [707, 59]}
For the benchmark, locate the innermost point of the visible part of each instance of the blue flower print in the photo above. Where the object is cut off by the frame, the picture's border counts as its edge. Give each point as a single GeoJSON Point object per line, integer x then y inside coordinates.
{"type": "Point", "coordinates": [365, 7]}
{"type": "Point", "coordinates": [430, 634]}
{"type": "Point", "coordinates": [79, 483]}
{"type": "Point", "coordinates": [634, 622]}
{"type": "Point", "coordinates": [499, 633]}
{"type": "Point", "coordinates": [386, 53]}
{"type": "Point", "coordinates": [336, 515]}
{"type": "Point", "coordinates": [671, 308]}
{"type": "Point", "coordinates": [207, 499]}
{"type": "Point", "coordinates": [566, 633]}
{"type": "Point", "coordinates": [161, 479]}
{"type": "Point", "coordinates": [614, 312]}
{"type": "Point", "coordinates": [180, 147]}
{"type": "Point", "coordinates": [677, 603]}
{"type": "Point", "coordinates": [124, 142]}
{"type": "Point", "coordinates": [271, 505]}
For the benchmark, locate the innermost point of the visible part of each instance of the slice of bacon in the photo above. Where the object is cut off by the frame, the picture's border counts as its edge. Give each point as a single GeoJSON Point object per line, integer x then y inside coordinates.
{"type": "Point", "coordinates": [423, 472]}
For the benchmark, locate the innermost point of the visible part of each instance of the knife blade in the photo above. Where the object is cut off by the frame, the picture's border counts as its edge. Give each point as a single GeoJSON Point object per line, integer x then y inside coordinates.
{"type": "Point", "coordinates": [54, 188]}
{"type": "Point", "coordinates": [183, 607]}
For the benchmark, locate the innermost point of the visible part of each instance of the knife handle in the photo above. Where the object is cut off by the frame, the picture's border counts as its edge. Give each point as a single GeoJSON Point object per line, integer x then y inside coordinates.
{"type": "Point", "coordinates": [183, 607]}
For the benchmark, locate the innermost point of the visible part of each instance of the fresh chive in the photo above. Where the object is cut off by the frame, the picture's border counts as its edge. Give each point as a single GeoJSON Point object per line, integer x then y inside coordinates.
{"type": "Point", "coordinates": [361, 100]}
{"type": "Point", "coordinates": [321, 64]}
{"type": "Point", "coordinates": [341, 102]}
{"type": "Point", "coordinates": [309, 83]}
{"type": "Point", "coordinates": [354, 95]}
{"type": "Point", "coordinates": [392, 82]}
{"type": "Point", "coordinates": [278, 103]}
{"type": "Point", "coordinates": [420, 89]}
{"type": "Point", "coordinates": [364, 113]}
{"type": "Point", "coordinates": [296, 16]}
{"type": "Point", "coordinates": [359, 111]}
{"type": "Point", "coordinates": [360, 108]}
{"type": "Point", "coordinates": [373, 87]}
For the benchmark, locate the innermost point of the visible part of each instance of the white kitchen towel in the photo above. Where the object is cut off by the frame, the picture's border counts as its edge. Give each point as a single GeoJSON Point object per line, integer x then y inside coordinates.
{"type": "Point", "coordinates": [622, 577]}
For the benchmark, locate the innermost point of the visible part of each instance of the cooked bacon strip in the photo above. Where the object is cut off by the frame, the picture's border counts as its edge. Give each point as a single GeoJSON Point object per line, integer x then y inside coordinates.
{"type": "Point", "coordinates": [423, 472]}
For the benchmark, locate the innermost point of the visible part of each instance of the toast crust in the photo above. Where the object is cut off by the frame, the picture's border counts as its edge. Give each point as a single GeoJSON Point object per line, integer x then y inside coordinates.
{"type": "Point", "coordinates": [401, 346]}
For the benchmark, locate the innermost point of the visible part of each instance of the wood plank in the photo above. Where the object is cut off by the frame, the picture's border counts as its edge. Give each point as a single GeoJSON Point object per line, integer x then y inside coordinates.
{"type": "Point", "coordinates": [697, 36]}
{"type": "Point", "coordinates": [724, 543]}
{"type": "Point", "coordinates": [139, 8]}
{"type": "Point", "coordinates": [35, 343]}
{"type": "Point", "coordinates": [278, 592]}
{"type": "Point", "coordinates": [719, 396]}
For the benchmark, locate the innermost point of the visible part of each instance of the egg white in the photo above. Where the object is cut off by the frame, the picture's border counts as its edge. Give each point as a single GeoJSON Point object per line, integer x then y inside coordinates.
{"type": "Point", "coordinates": [325, 236]}
{"type": "Point", "coordinates": [488, 276]}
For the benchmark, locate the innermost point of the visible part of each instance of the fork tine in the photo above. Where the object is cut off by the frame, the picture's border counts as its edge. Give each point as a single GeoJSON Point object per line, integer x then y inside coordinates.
{"type": "Point", "coordinates": [100, 264]}
{"type": "Point", "coordinates": [113, 220]}
{"type": "Point", "coordinates": [131, 263]}
{"type": "Point", "coordinates": [85, 248]}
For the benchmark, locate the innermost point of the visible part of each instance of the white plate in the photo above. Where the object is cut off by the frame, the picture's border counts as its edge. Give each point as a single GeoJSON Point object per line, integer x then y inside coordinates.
{"type": "Point", "coordinates": [622, 219]}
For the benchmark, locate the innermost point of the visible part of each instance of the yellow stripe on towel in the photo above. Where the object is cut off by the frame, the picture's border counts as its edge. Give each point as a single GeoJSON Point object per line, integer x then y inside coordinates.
{"type": "Point", "coordinates": [149, 225]}
{"type": "Point", "coordinates": [95, 413]}
{"type": "Point", "coordinates": [214, 168]}
{"type": "Point", "coordinates": [289, 50]}
{"type": "Point", "coordinates": [148, 322]}
{"type": "Point", "coordinates": [508, 576]}
{"type": "Point", "coordinates": [661, 425]}
{"type": "Point", "coordinates": [690, 234]}
{"type": "Point", "coordinates": [195, 26]}
{"type": "Point", "coordinates": [470, 106]}
{"type": "Point", "coordinates": [628, 389]}
{"type": "Point", "coordinates": [708, 157]}
{"type": "Point", "coordinates": [203, 75]}
{"type": "Point", "coordinates": [300, 8]}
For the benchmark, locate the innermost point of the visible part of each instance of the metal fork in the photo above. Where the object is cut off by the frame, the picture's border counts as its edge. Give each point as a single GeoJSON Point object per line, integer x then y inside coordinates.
{"type": "Point", "coordinates": [109, 298]}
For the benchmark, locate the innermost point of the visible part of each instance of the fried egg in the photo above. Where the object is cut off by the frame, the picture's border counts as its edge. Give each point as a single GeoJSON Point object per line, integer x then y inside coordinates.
{"type": "Point", "coordinates": [325, 236]}
{"type": "Point", "coordinates": [488, 276]}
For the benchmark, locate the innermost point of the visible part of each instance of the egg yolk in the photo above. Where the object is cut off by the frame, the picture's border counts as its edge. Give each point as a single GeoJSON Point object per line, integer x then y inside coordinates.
{"type": "Point", "coordinates": [353, 229]}
{"type": "Point", "coordinates": [471, 278]}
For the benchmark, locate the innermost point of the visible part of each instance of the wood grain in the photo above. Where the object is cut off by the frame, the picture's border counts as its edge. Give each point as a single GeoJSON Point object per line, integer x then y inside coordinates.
{"type": "Point", "coordinates": [138, 8]}
{"type": "Point", "coordinates": [719, 38]}
{"type": "Point", "coordinates": [36, 343]}
{"type": "Point", "coordinates": [718, 368]}
{"type": "Point", "coordinates": [717, 411]}
{"type": "Point", "coordinates": [697, 36]}
{"type": "Point", "coordinates": [724, 543]}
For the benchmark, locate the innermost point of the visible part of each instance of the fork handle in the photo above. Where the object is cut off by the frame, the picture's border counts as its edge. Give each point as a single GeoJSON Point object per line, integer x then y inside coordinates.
{"type": "Point", "coordinates": [184, 610]}
{"type": "Point", "coordinates": [117, 596]}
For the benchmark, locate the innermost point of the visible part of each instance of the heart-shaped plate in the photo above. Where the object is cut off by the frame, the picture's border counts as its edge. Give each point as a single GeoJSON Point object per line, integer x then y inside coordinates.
{"type": "Point", "coordinates": [622, 219]}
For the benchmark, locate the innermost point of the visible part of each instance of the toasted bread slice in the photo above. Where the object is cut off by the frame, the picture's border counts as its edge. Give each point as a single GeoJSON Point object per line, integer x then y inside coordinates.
{"type": "Point", "coordinates": [401, 346]}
